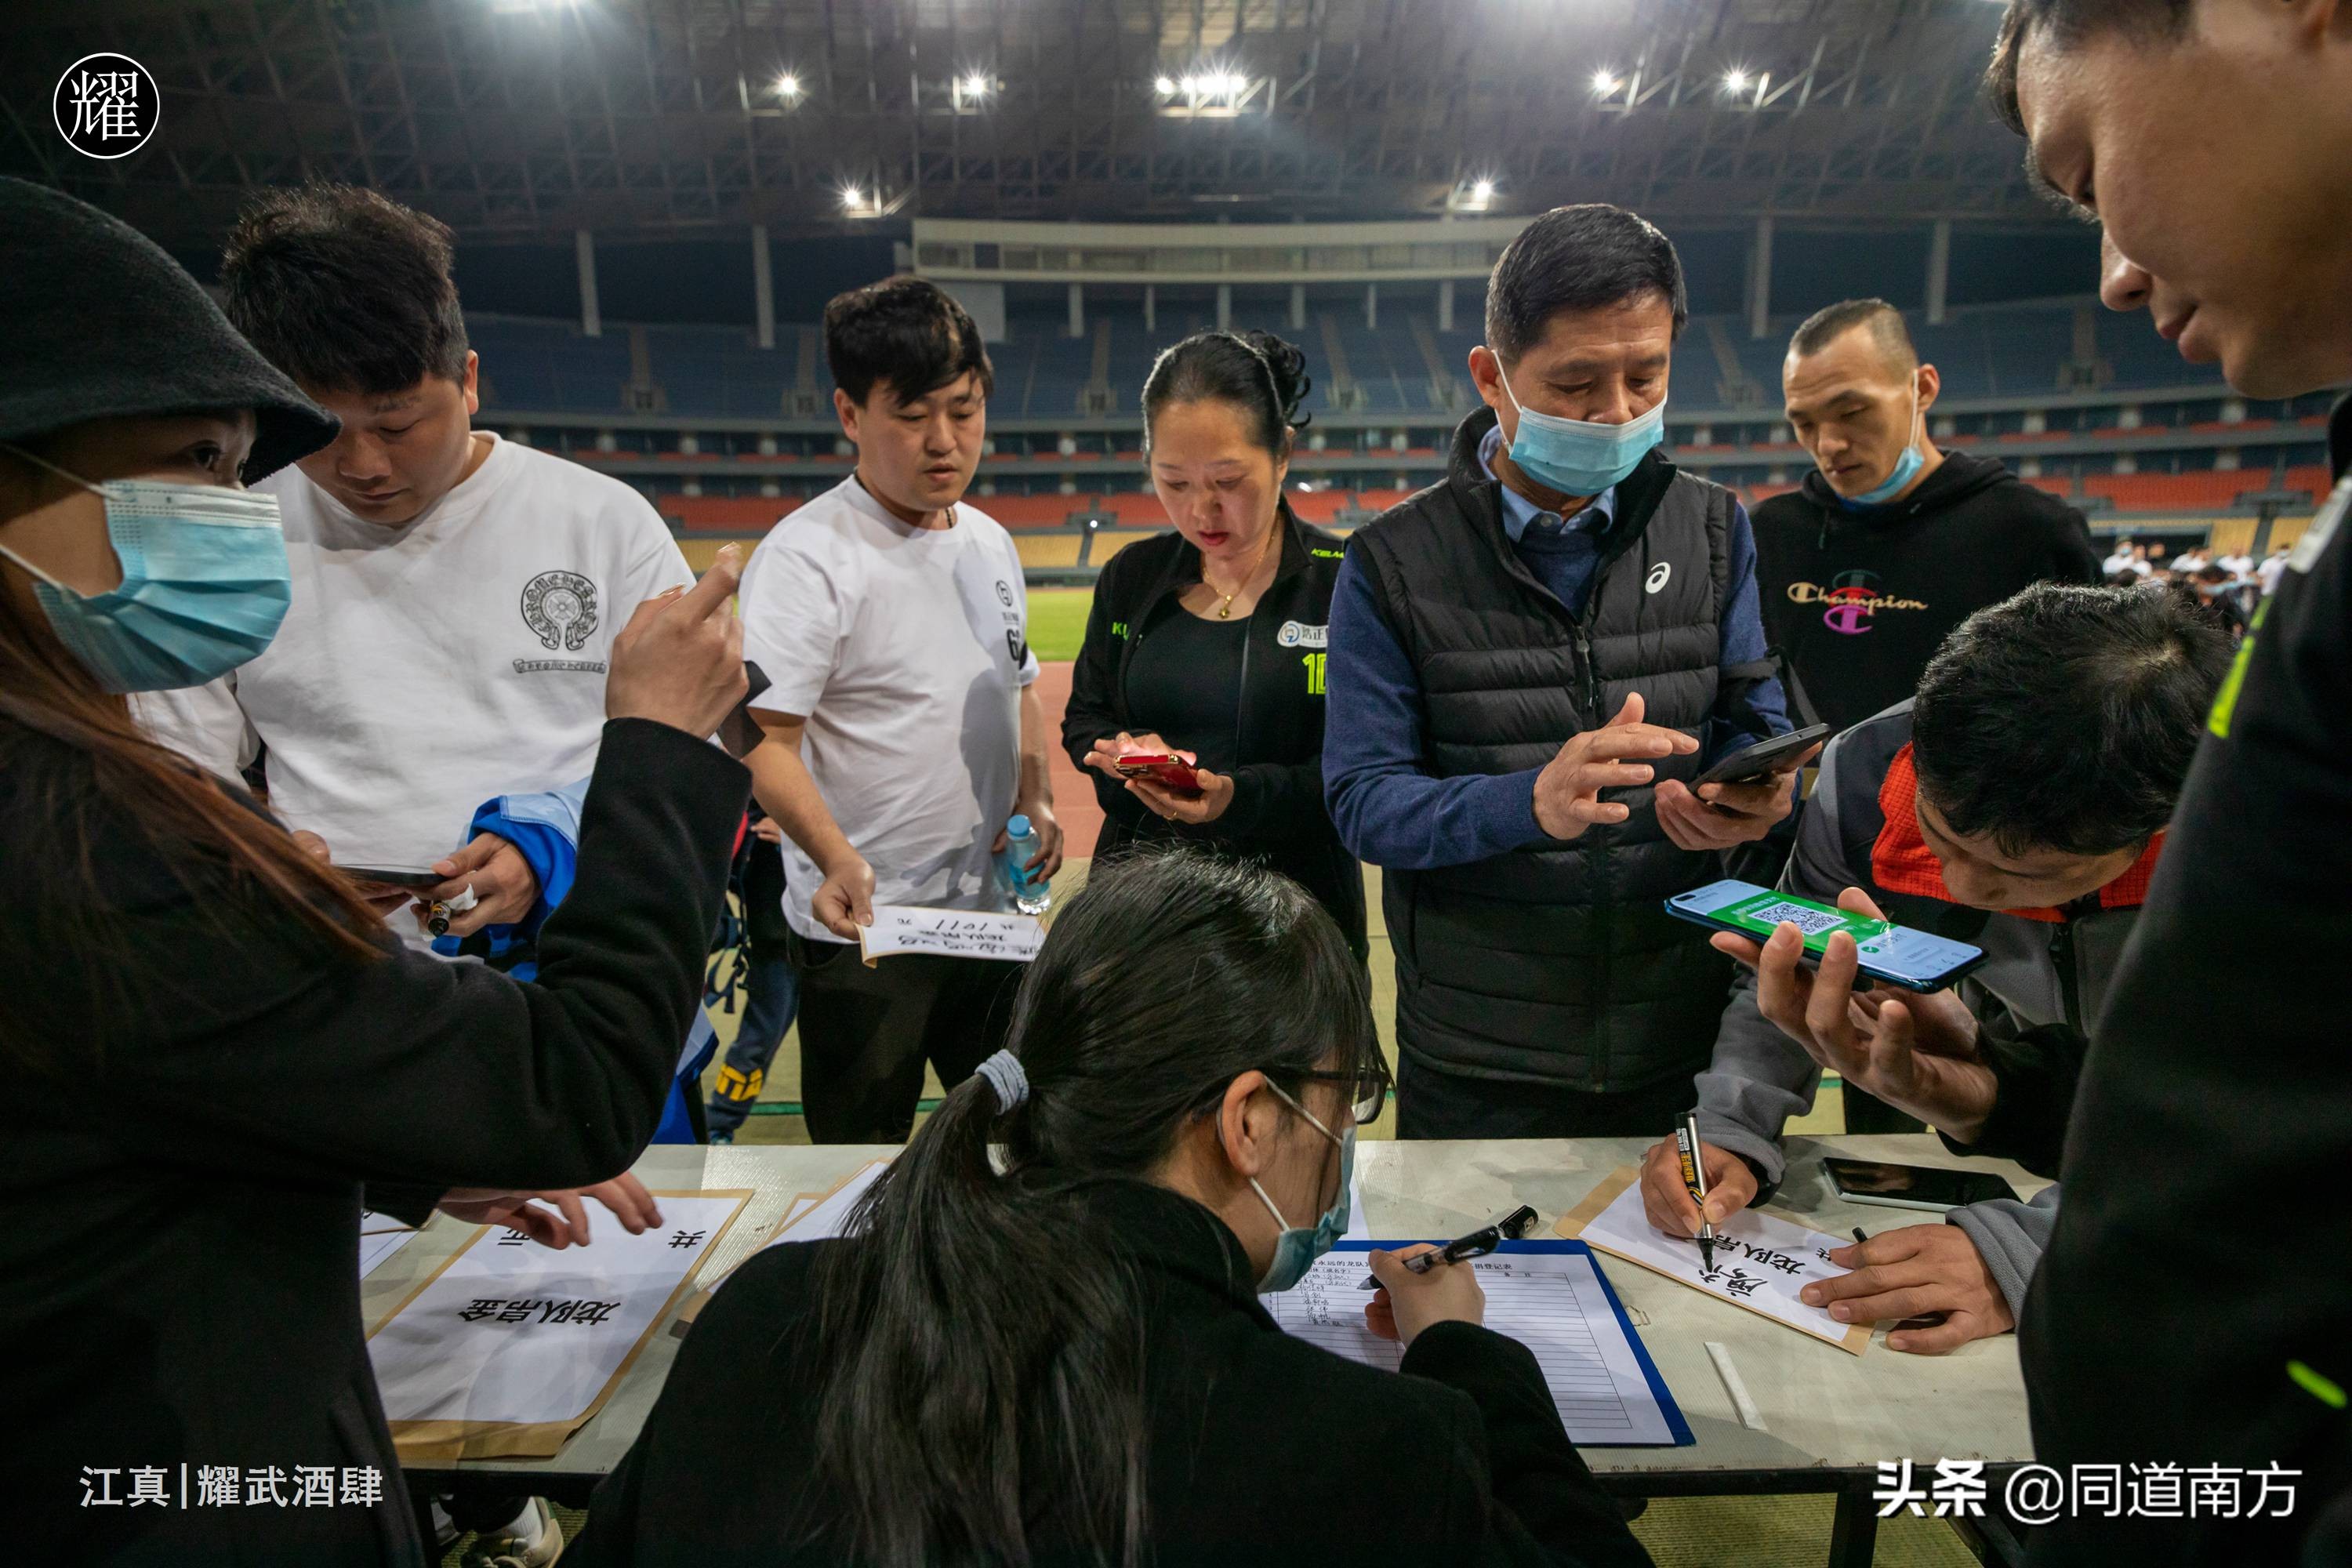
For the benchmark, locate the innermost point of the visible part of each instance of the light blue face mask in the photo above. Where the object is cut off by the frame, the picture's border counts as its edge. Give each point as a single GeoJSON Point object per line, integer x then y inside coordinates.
{"type": "Point", "coordinates": [205, 584]}
{"type": "Point", "coordinates": [1297, 1249]}
{"type": "Point", "coordinates": [1577, 456]}
{"type": "Point", "coordinates": [1907, 467]}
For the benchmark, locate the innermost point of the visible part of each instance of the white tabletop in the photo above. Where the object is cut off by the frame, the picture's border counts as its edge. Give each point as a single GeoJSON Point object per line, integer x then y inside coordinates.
{"type": "Point", "coordinates": [1821, 1409]}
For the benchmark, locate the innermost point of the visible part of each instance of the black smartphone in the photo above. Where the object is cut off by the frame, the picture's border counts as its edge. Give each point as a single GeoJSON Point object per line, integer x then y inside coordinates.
{"type": "Point", "coordinates": [1753, 764]}
{"type": "Point", "coordinates": [739, 731]}
{"type": "Point", "coordinates": [1924, 1187]}
{"type": "Point", "coordinates": [417, 877]}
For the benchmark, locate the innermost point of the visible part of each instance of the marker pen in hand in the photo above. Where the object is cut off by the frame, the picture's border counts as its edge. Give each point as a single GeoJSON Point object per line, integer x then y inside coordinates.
{"type": "Point", "coordinates": [1694, 1178]}
{"type": "Point", "coordinates": [438, 914]}
{"type": "Point", "coordinates": [1477, 1244]}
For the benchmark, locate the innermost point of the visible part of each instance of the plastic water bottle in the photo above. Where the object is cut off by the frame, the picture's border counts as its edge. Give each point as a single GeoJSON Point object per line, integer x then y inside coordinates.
{"type": "Point", "coordinates": [1031, 895]}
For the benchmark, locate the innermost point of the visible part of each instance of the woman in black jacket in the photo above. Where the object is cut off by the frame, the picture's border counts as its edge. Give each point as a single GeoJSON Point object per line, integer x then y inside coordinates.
{"type": "Point", "coordinates": [1208, 641]}
{"type": "Point", "coordinates": [1064, 1359]}
{"type": "Point", "coordinates": [211, 1051]}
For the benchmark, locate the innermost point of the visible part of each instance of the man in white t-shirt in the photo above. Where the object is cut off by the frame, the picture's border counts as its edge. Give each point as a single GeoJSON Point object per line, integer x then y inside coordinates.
{"type": "Point", "coordinates": [2120, 559]}
{"type": "Point", "coordinates": [903, 731]}
{"type": "Point", "coordinates": [436, 695]}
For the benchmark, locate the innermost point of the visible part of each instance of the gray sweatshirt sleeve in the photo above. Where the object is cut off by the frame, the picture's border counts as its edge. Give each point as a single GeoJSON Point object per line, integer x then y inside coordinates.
{"type": "Point", "coordinates": [1759, 1077]}
{"type": "Point", "coordinates": [2010, 1236]}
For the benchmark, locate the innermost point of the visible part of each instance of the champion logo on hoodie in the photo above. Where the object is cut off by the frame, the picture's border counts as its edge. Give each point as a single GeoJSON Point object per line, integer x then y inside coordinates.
{"type": "Point", "coordinates": [1852, 599]}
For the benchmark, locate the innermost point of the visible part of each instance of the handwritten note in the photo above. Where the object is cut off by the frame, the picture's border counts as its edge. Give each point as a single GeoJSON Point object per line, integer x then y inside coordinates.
{"type": "Point", "coordinates": [1547, 1296]}
{"type": "Point", "coordinates": [959, 933]}
{"type": "Point", "coordinates": [513, 1332]}
{"type": "Point", "coordinates": [1761, 1260]}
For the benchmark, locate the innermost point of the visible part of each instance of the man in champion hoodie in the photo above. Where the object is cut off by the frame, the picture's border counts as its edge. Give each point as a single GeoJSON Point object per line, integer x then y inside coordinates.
{"type": "Point", "coordinates": [1890, 543]}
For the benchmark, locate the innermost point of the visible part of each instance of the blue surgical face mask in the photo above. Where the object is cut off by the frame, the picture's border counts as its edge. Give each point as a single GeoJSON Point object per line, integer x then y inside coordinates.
{"type": "Point", "coordinates": [1575, 457]}
{"type": "Point", "coordinates": [1297, 1247]}
{"type": "Point", "coordinates": [205, 584]}
{"type": "Point", "coordinates": [1907, 467]}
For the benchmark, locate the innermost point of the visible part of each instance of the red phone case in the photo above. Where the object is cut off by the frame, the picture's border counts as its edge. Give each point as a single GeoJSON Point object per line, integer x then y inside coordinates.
{"type": "Point", "coordinates": [1160, 767]}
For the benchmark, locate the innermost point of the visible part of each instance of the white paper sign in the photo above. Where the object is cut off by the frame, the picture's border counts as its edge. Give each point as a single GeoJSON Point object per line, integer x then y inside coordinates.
{"type": "Point", "coordinates": [513, 1332]}
{"type": "Point", "coordinates": [1761, 1262]}
{"type": "Point", "coordinates": [958, 933]}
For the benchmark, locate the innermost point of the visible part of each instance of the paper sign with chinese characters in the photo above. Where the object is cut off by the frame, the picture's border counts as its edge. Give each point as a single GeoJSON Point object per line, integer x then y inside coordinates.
{"type": "Point", "coordinates": [510, 1346]}
{"type": "Point", "coordinates": [1762, 1259]}
{"type": "Point", "coordinates": [959, 933]}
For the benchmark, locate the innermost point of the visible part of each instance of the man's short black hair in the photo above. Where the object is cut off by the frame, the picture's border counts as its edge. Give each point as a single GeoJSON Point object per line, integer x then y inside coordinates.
{"type": "Point", "coordinates": [2064, 718]}
{"type": "Point", "coordinates": [1830, 322]}
{"type": "Point", "coordinates": [345, 291]}
{"type": "Point", "coordinates": [906, 331]}
{"type": "Point", "coordinates": [1586, 257]}
{"type": "Point", "coordinates": [2069, 22]}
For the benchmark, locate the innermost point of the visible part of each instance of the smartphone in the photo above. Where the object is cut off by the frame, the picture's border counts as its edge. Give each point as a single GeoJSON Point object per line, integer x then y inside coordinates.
{"type": "Point", "coordinates": [393, 875]}
{"type": "Point", "coordinates": [1896, 956]}
{"type": "Point", "coordinates": [1753, 764]}
{"type": "Point", "coordinates": [1160, 767]}
{"type": "Point", "coordinates": [1913, 1186]}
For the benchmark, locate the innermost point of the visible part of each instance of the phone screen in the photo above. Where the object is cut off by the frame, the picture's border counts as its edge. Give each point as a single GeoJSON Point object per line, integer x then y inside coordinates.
{"type": "Point", "coordinates": [1903, 955]}
{"type": "Point", "coordinates": [1921, 1185]}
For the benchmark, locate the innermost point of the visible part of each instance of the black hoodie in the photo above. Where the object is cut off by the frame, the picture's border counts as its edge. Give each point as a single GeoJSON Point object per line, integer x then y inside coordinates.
{"type": "Point", "coordinates": [1856, 600]}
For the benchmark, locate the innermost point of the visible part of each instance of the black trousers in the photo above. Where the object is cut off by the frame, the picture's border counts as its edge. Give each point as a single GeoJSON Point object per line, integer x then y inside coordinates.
{"type": "Point", "coordinates": [867, 1033]}
{"type": "Point", "coordinates": [1432, 1104]}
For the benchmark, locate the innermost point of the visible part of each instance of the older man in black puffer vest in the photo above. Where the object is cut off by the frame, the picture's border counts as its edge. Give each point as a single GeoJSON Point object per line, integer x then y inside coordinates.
{"type": "Point", "coordinates": [1529, 663]}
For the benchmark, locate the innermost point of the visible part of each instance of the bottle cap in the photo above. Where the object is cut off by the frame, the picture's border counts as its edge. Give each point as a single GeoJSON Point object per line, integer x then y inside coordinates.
{"type": "Point", "coordinates": [1018, 826]}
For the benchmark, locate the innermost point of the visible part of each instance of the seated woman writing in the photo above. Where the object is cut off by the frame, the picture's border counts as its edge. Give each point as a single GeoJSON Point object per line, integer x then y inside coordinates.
{"type": "Point", "coordinates": [1059, 1356]}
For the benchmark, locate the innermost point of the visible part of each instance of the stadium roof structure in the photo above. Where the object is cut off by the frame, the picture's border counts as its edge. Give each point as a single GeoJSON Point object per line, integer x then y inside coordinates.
{"type": "Point", "coordinates": [508, 118]}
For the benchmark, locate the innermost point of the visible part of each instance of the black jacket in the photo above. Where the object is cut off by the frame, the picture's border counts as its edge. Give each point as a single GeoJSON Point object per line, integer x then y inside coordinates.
{"type": "Point", "coordinates": [2196, 1255]}
{"type": "Point", "coordinates": [1277, 814]}
{"type": "Point", "coordinates": [1556, 963]}
{"type": "Point", "coordinates": [1858, 601]}
{"type": "Point", "coordinates": [179, 1205]}
{"type": "Point", "coordinates": [1261, 1447]}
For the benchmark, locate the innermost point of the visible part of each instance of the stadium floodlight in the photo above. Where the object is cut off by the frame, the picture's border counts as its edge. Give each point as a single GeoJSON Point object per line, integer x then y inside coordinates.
{"type": "Point", "coordinates": [1166, 86]}
{"type": "Point", "coordinates": [788, 85]}
{"type": "Point", "coordinates": [1483, 191]}
{"type": "Point", "coordinates": [1735, 80]}
{"type": "Point", "coordinates": [852, 198]}
{"type": "Point", "coordinates": [975, 85]}
{"type": "Point", "coordinates": [1605, 81]}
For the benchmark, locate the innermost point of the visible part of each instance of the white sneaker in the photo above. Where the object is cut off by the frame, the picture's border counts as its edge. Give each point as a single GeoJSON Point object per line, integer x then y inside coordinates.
{"type": "Point", "coordinates": [531, 1539]}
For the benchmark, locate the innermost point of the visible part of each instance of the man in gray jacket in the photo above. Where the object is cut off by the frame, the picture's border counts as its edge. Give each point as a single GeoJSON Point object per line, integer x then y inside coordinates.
{"type": "Point", "coordinates": [2017, 803]}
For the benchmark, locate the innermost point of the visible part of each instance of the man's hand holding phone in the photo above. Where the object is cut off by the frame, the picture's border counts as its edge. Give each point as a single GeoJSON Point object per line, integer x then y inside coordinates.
{"type": "Point", "coordinates": [1718, 815]}
{"type": "Point", "coordinates": [1918, 1052]}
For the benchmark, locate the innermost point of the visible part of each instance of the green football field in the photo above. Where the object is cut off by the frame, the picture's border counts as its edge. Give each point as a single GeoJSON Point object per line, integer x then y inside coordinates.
{"type": "Point", "coordinates": [1057, 621]}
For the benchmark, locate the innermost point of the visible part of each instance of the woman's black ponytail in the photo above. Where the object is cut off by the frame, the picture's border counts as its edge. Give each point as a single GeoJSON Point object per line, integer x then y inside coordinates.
{"type": "Point", "coordinates": [987, 1382]}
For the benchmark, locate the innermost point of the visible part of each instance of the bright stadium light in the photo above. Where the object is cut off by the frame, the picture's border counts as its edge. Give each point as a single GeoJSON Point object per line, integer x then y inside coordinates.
{"type": "Point", "coordinates": [1191, 85]}
{"type": "Point", "coordinates": [1604, 82]}
{"type": "Point", "coordinates": [975, 85]}
{"type": "Point", "coordinates": [852, 198]}
{"type": "Point", "coordinates": [788, 85]}
{"type": "Point", "coordinates": [1483, 191]}
{"type": "Point", "coordinates": [1166, 86]}
{"type": "Point", "coordinates": [1736, 80]}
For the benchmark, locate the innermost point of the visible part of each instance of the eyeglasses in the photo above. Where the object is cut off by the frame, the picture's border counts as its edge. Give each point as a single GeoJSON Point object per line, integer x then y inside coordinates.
{"type": "Point", "coordinates": [1367, 1091]}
